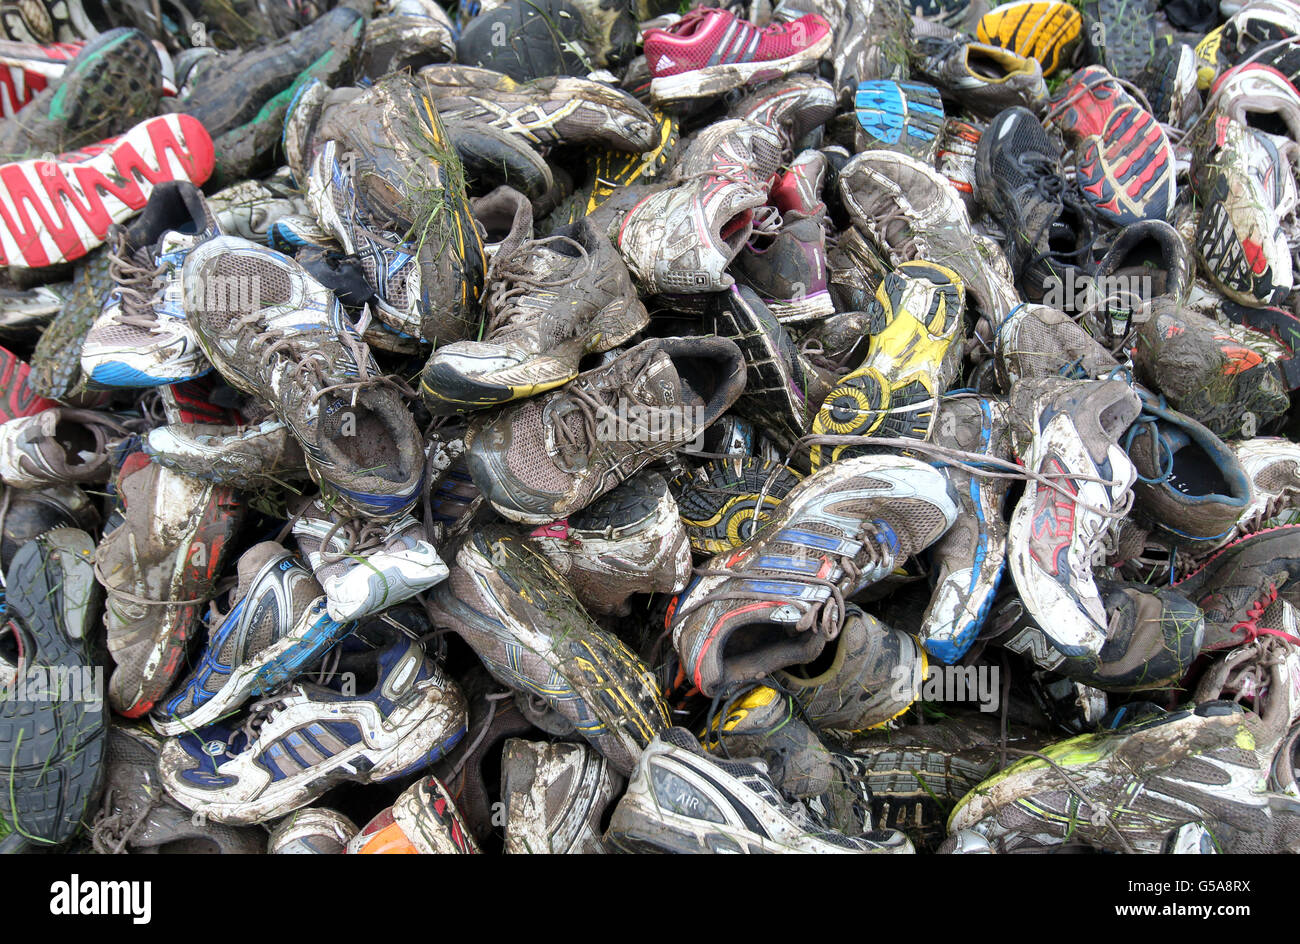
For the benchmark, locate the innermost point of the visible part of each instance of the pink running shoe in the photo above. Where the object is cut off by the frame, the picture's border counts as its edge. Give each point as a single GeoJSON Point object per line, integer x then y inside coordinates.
{"type": "Point", "coordinates": [710, 51]}
{"type": "Point", "coordinates": [56, 211]}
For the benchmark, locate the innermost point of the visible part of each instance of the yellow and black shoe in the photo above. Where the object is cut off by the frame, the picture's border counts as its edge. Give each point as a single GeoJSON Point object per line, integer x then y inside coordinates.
{"type": "Point", "coordinates": [719, 500]}
{"type": "Point", "coordinates": [1210, 61]}
{"type": "Point", "coordinates": [1050, 31]}
{"type": "Point", "coordinates": [613, 169]}
{"type": "Point", "coordinates": [911, 359]}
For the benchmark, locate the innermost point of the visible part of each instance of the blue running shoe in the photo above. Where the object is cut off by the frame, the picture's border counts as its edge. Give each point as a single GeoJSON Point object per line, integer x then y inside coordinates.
{"type": "Point", "coordinates": [278, 625]}
{"type": "Point", "coordinates": [142, 337]}
{"type": "Point", "coordinates": [899, 116]}
{"type": "Point", "coordinates": [294, 745]}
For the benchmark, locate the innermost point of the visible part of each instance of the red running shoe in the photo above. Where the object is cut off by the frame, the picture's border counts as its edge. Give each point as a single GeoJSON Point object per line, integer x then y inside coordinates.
{"type": "Point", "coordinates": [710, 51]}
{"type": "Point", "coordinates": [57, 211]}
{"type": "Point", "coordinates": [26, 68]}
{"type": "Point", "coordinates": [16, 395]}
{"type": "Point", "coordinates": [1124, 161]}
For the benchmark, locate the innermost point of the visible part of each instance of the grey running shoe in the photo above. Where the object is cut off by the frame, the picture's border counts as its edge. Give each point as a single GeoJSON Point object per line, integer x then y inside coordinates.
{"type": "Point", "coordinates": [1215, 373]}
{"type": "Point", "coordinates": [521, 618]}
{"type": "Point", "coordinates": [681, 239]}
{"type": "Point", "coordinates": [630, 540]}
{"type": "Point", "coordinates": [273, 331]}
{"type": "Point", "coordinates": [555, 796]}
{"type": "Point", "coordinates": [1038, 341]}
{"type": "Point", "coordinates": [246, 457]}
{"type": "Point", "coordinates": [766, 723]}
{"type": "Point", "coordinates": [550, 302]}
{"type": "Point", "coordinates": [866, 676]}
{"type": "Point", "coordinates": [985, 79]}
{"type": "Point", "coordinates": [680, 799]}
{"type": "Point", "coordinates": [1127, 790]}
{"type": "Point", "coordinates": [58, 446]}
{"type": "Point", "coordinates": [546, 457]}
{"type": "Point", "coordinates": [385, 180]}
{"type": "Point", "coordinates": [544, 112]}
{"type": "Point", "coordinates": [909, 211]}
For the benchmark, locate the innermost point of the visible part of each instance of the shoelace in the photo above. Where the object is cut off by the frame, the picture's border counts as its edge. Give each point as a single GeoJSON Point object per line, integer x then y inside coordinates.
{"type": "Point", "coordinates": [308, 367]}
{"type": "Point", "coordinates": [110, 832]}
{"type": "Point", "coordinates": [359, 537]}
{"type": "Point", "coordinates": [510, 279]}
{"type": "Point", "coordinates": [138, 286]}
{"type": "Point", "coordinates": [1250, 627]}
{"type": "Point", "coordinates": [260, 712]}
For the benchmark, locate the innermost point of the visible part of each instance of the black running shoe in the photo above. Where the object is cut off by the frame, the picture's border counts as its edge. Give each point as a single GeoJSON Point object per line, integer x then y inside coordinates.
{"type": "Point", "coordinates": [52, 709]}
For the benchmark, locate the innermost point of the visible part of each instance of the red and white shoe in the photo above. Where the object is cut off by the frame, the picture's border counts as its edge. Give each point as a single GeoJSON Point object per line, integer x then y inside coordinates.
{"type": "Point", "coordinates": [55, 211]}
{"type": "Point", "coordinates": [16, 395]}
{"type": "Point", "coordinates": [711, 51]}
{"type": "Point", "coordinates": [26, 68]}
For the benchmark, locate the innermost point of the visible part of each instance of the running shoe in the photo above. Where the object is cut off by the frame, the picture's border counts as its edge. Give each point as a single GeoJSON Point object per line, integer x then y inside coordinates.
{"type": "Point", "coordinates": [681, 799]}
{"type": "Point", "coordinates": [65, 196]}
{"type": "Point", "coordinates": [631, 540]}
{"type": "Point", "coordinates": [776, 600]}
{"type": "Point", "coordinates": [710, 51]}
{"type": "Point", "coordinates": [52, 712]}
{"type": "Point", "coordinates": [366, 566]}
{"type": "Point", "coordinates": [1050, 31]}
{"type": "Point", "coordinates": [159, 567]}
{"type": "Point", "coordinates": [546, 457]}
{"type": "Point", "coordinates": [724, 500]}
{"type": "Point", "coordinates": [276, 625]}
{"type": "Point", "coordinates": [970, 559]}
{"type": "Point", "coordinates": [1066, 432]}
{"type": "Point", "coordinates": [911, 361]}
{"type": "Point", "coordinates": [273, 331]}
{"type": "Point", "coordinates": [142, 337]}
{"type": "Point", "coordinates": [424, 820]}
{"type": "Point", "coordinates": [296, 743]}
{"type": "Point", "coordinates": [531, 633]}
{"type": "Point", "coordinates": [550, 302]}
{"type": "Point", "coordinates": [555, 797]}
{"type": "Point", "coordinates": [114, 81]}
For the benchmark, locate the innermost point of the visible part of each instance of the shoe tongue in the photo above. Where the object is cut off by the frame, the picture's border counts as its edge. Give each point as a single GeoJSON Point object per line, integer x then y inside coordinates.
{"type": "Point", "coordinates": [40, 437]}
{"type": "Point", "coordinates": [251, 563]}
{"type": "Point", "coordinates": [659, 384]}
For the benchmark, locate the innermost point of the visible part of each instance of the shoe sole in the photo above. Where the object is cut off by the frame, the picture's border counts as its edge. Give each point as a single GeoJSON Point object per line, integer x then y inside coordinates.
{"type": "Point", "coordinates": [76, 201]}
{"type": "Point", "coordinates": [714, 80]}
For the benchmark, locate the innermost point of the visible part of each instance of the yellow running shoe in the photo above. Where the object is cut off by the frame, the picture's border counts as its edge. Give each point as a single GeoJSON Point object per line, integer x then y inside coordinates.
{"type": "Point", "coordinates": [1208, 61]}
{"type": "Point", "coordinates": [615, 169]}
{"type": "Point", "coordinates": [1050, 31]}
{"type": "Point", "coordinates": [910, 361]}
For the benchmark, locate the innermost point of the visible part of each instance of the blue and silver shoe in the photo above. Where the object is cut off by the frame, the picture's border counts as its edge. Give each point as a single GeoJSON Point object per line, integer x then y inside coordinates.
{"type": "Point", "coordinates": [278, 625]}
{"type": "Point", "coordinates": [385, 713]}
{"type": "Point", "coordinates": [142, 337]}
{"type": "Point", "coordinates": [969, 560]}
